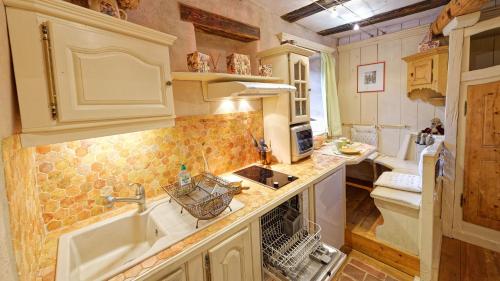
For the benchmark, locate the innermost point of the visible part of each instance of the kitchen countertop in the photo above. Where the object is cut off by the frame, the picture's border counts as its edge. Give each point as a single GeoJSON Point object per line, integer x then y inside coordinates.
{"type": "Point", "coordinates": [258, 199]}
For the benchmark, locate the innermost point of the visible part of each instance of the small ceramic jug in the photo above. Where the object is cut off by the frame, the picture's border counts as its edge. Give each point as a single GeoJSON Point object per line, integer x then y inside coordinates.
{"type": "Point", "coordinates": [108, 7]}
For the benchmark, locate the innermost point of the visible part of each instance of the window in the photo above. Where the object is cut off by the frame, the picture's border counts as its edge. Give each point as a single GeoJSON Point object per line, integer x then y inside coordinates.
{"type": "Point", "coordinates": [317, 99]}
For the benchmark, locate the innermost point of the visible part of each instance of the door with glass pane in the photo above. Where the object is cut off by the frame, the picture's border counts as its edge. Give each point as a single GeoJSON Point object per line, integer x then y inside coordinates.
{"type": "Point", "coordinates": [299, 77]}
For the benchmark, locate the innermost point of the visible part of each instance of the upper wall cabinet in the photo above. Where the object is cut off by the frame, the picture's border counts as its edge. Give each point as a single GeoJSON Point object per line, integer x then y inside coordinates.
{"type": "Point", "coordinates": [291, 63]}
{"type": "Point", "coordinates": [82, 74]}
{"type": "Point", "coordinates": [428, 71]}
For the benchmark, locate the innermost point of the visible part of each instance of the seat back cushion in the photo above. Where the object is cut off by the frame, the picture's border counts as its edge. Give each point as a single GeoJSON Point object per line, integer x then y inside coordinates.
{"type": "Point", "coordinates": [400, 181]}
{"type": "Point", "coordinates": [365, 134]}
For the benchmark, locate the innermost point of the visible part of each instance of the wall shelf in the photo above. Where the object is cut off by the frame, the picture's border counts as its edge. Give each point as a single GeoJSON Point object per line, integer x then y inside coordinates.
{"type": "Point", "coordinates": [221, 77]}
{"type": "Point", "coordinates": [206, 78]}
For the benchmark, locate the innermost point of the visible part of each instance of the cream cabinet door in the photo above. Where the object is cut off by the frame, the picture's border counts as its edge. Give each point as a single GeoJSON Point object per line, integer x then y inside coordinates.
{"type": "Point", "coordinates": [330, 208]}
{"type": "Point", "coordinates": [231, 260]}
{"type": "Point", "coordinates": [101, 75]}
{"type": "Point", "coordinates": [299, 102]}
{"type": "Point", "coordinates": [178, 275]}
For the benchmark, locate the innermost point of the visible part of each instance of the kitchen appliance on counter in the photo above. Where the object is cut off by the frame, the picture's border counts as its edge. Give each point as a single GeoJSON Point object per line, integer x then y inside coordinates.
{"type": "Point", "coordinates": [268, 177]}
{"type": "Point", "coordinates": [302, 141]}
{"type": "Point", "coordinates": [297, 256]}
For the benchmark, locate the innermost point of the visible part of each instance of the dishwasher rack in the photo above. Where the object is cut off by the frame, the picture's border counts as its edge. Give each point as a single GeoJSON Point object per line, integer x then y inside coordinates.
{"type": "Point", "coordinates": [283, 252]}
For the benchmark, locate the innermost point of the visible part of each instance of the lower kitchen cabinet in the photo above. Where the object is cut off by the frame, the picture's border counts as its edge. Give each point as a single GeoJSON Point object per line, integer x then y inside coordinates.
{"type": "Point", "coordinates": [329, 208]}
{"type": "Point", "coordinates": [178, 275]}
{"type": "Point", "coordinates": [231, 260]}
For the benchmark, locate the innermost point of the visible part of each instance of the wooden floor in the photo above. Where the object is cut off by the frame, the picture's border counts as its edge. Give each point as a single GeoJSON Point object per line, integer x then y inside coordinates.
{"type": "Point", "coordinates": [362, 219]}
{"type": "Point", "coordinates": [360, 267]}
{"type": "Point", "coordinates": [461, 261]}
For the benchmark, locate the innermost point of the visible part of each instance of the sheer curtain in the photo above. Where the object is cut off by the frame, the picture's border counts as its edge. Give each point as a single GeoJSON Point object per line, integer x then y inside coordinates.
{"type": "Point", "coordinates": [329, 88]}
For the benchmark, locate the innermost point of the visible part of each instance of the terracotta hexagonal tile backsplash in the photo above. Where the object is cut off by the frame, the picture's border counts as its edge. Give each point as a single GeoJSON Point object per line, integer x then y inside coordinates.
{"type": "Point", "coordinates": [72, 176]}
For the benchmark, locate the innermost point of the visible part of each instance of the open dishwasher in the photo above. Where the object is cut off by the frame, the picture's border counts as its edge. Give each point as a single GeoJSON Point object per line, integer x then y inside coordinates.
{"type": "Point", "coordinates": [291, 245]}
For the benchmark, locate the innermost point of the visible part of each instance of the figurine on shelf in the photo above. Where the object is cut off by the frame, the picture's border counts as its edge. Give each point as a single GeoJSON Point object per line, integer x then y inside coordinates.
{"type": "Point", "coordinates": [198, 62]}
{"type": "Point", "coordinates": [238, 64]}
{"type": "Point", "coordinates": [436, 127]}
{"type": "Point", "coordinates": [266, 70]}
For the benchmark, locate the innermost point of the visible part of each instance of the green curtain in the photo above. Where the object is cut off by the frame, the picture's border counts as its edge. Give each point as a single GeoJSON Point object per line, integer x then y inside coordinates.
{"type": "Point", "coordinates": [329, 88]}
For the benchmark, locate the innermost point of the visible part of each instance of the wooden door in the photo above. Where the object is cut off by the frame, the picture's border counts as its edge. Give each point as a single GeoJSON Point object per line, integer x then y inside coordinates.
{"type": "Point", "coordinates": [100, 75]}
{"type": "Point", "coordinates": [231, 260]}
{"type": "Point", "coordinates": [482, 156]}
{"type": "Point", "coordinates": [299, 102]}
{"type": "Point", "coordinates": [421, 72]}
{"type": "Point", "coordinates": [178, 275]}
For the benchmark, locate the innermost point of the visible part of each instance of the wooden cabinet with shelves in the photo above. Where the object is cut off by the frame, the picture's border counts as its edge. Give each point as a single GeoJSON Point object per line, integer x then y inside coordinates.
{"type": "Point", "coordinates": [427, 75]}
{"type": "Point", "coordinates": [91, 75]}
{"type": "Point", "coordinates": [291, 64]}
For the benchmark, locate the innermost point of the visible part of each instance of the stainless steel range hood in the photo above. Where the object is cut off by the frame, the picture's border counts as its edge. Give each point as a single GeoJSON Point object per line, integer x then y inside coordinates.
{"type": "Point", "coordinates": [245, 90]}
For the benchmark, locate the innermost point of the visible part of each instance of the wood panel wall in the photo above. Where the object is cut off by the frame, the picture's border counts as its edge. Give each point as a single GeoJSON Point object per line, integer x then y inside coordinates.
{"type": "Point", "coordinates": [391, 107]}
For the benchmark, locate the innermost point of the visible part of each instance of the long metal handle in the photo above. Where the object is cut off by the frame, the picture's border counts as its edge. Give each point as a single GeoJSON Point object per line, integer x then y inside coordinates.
{"type": "Point", "coordinates": [49, 69]}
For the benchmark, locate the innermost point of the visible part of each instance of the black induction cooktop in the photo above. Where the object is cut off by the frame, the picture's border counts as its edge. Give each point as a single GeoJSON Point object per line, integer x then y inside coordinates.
{"type": "Point", "coordinates": [273, 179]}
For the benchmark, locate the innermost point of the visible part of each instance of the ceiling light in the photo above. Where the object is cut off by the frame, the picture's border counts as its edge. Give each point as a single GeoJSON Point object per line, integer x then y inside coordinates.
{"type": "Point", "coordinates": [334, 12]}
{"type": "Point", "coordinates": [356, 27]}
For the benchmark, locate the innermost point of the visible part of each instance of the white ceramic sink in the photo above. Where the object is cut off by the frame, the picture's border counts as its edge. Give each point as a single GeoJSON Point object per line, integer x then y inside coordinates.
{"type": "Point", "coordinates": [104, 249]}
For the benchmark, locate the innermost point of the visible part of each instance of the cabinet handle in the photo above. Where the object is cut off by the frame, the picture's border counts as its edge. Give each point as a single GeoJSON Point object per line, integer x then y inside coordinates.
{"type": "Point", "coordinates": [169, 83]}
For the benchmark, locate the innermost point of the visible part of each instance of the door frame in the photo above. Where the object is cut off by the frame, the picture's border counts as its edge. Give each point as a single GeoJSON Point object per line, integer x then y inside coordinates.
{"type": "Point", "coordinates": [459, 78]}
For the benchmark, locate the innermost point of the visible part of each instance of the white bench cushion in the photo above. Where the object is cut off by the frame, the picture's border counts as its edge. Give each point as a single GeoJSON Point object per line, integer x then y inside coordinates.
{"type": "Point", "coordinates": [404, 198]}
{"type": "Point", "coordinates": [400, 181]}
{"type": "Point", "coordinates": [398, 165]}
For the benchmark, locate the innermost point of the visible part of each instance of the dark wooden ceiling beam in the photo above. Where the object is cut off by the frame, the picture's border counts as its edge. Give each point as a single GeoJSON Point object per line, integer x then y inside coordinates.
{"type": "Point", "coordinates": [219, 25]}
{"type": "Point", "coordinates": [311, 9]}
{"type": "Point", "coordinates": [401, 12]}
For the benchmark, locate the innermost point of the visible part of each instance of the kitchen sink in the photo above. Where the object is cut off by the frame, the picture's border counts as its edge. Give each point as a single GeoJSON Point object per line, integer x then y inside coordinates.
{"type": "Point", "coordinates": [103, 249]}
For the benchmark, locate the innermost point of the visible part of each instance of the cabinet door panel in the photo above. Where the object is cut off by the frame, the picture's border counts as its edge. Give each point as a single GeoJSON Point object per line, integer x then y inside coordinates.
{"type": "Point", "coordinates": [231, 260]}
{"type": "Point", "coordinates": [330, 203]}
{"type": "Point", "coordinates": [299, 103]}
{"type": "Point", "coordinates": [482, 156]}
{"type": "Point", "coordinates": [100, 75]}
{"type": "Point", "coordinates": [178, 275]}
{"type": "Point", "coordinates": [421, 72]}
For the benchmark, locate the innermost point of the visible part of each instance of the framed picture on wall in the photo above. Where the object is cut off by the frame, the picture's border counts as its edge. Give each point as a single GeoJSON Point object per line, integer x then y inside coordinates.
{"type": "Point", "coordinates": [371, 77]}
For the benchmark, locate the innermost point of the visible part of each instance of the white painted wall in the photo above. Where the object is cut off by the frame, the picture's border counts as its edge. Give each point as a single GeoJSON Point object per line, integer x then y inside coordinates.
{"type": "Point", "coordinates": [391, 107]}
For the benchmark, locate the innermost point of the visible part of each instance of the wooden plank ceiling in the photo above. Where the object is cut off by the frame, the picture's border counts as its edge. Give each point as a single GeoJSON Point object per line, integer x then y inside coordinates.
{"type": "Point", "coordinates": [318, 15]}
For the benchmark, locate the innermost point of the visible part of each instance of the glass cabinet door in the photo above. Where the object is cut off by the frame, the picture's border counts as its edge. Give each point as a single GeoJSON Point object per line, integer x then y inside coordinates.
{"type": "Point", "coordinates": [299, 102]}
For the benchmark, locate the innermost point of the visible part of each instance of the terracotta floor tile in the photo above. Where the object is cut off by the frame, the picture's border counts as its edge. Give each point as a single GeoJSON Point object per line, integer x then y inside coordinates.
{"type": "Point", "coordinates": [354, 272]}
{"type": "Point", "coordinates": [369, 269]}
{"type": "Point", "coordinates": [390, 278]}
{"type": "Point", "coordinates": [370, 277]}
{"type": "Point", "coordinates": [345, 278]}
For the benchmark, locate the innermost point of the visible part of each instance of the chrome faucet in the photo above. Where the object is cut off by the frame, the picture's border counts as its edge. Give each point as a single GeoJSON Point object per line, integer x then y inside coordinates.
{"type": "Point", "coordinates": [140, 197]}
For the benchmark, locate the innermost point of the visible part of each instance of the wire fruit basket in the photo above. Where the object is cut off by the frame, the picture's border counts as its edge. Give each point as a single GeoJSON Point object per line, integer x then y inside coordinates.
{"type": "Point", "coordinates": [283, 252]}
{"type": "Point", "coordinates": [206, 197]}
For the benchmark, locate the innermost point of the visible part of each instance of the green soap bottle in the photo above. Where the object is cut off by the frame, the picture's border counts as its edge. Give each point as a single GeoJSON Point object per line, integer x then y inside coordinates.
{"type": "Point", "coordinates": [184, 176]}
